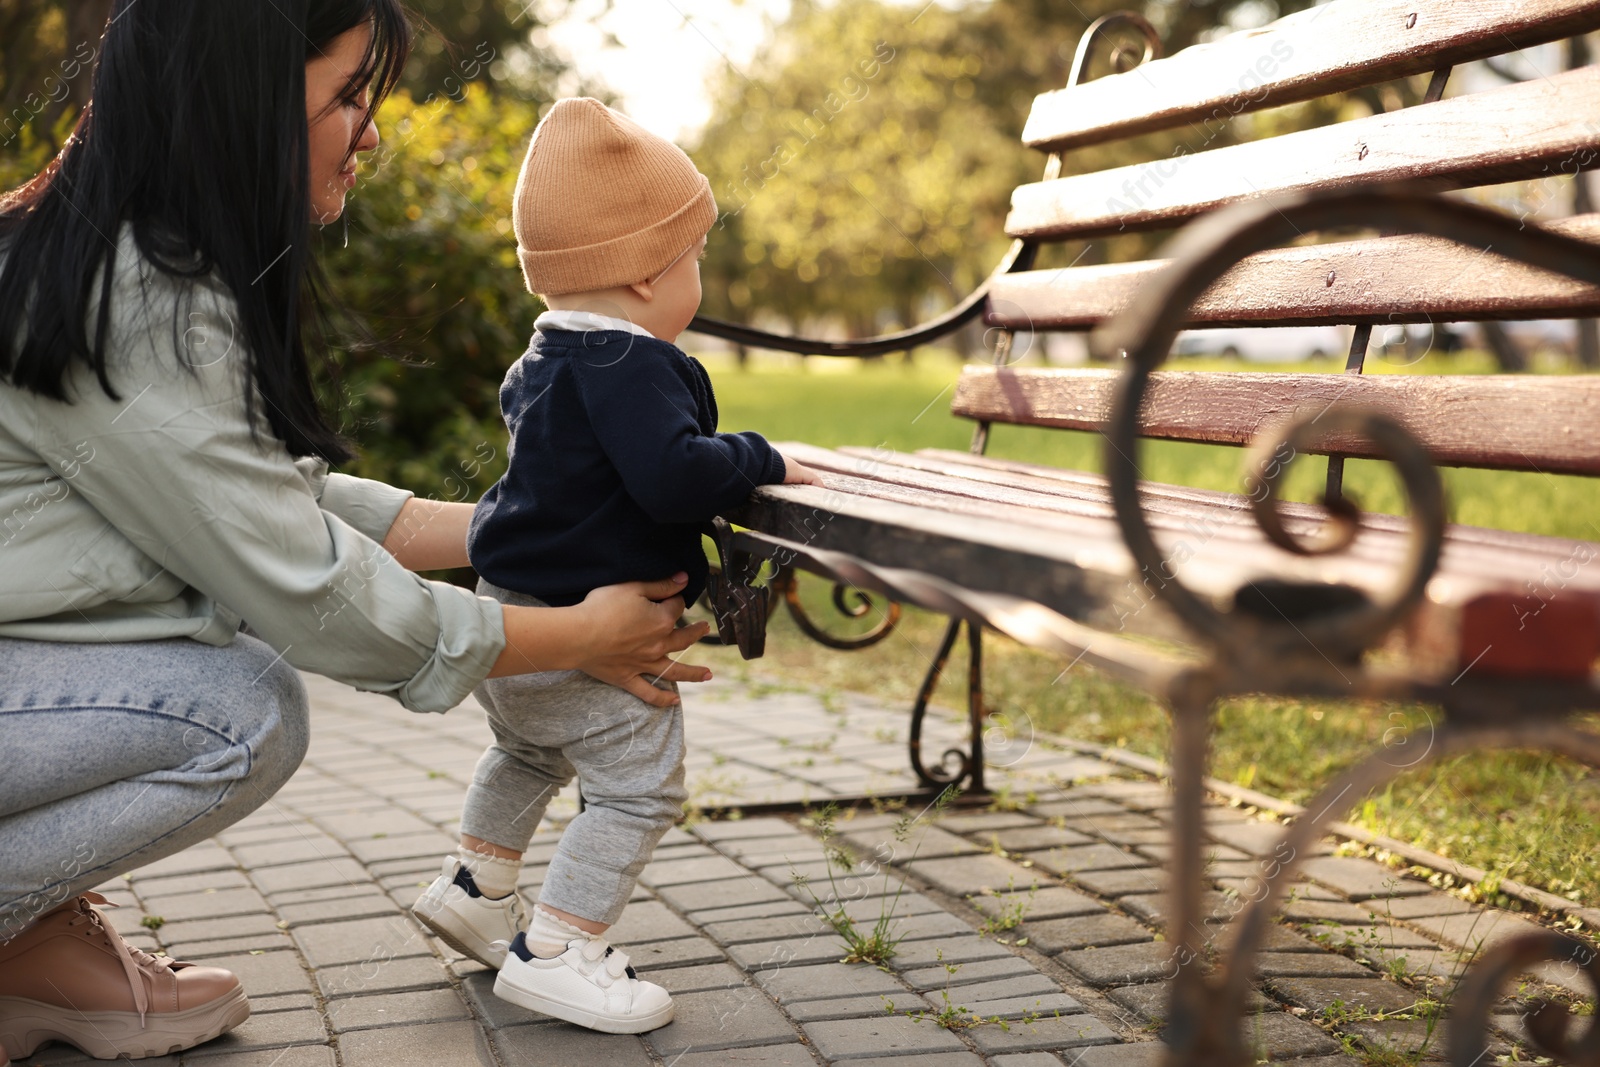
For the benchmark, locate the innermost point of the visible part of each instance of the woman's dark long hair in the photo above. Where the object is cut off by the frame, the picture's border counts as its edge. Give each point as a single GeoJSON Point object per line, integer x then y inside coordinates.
{"type": "Point", "coordinates": [196, 134]}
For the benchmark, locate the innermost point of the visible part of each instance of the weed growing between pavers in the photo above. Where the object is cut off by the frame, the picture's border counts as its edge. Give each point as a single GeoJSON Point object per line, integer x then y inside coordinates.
{"type": "Point", "coordinates": [1012, 913]}
{"type": "Point", "coordinates": [878, 946]}
{"type": "Point", "coordinates": [954, 1016]}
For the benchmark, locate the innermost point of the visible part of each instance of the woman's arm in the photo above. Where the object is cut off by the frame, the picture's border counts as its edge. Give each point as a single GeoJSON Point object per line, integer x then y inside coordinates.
{"type": "Point", "coordinates": [430, 535]}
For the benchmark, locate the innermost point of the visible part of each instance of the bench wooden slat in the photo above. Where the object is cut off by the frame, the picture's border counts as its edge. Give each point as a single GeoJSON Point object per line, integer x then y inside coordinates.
{"type": "Point", "coordinates": [1382, 281]}
{"type": "Point", "coordinates": [1075, 565]}
{"type": "Point", "coordinates": [1540, 127]}
{"type": "Point", "coordinates": [1503, 422]}
{"type": "Point", "coordinates": [1181, 512]}
{"type": "Point", "coordinates": [1325, 49]}
{"type": "Point", "coordinates": [1157, 494]}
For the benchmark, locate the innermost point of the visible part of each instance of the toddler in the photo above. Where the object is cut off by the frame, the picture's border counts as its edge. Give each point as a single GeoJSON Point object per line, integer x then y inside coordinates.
{"type": "Point", "coordinates": [615, 467]}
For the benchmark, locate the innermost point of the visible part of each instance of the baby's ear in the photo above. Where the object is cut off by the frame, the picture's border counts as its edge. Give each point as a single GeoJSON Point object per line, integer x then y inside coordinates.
{"type": "Point", "coordinates": [643, 289]}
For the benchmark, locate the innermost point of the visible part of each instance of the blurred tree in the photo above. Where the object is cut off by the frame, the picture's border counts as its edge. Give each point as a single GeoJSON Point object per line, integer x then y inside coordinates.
{"type": "Point", "coordinates": [863, 162]}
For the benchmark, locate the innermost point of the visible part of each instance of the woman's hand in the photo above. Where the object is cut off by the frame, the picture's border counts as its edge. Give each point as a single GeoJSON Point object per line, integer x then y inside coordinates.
{"type": "Point", "coordinates": [620, 634]}
{"type": "Point", "coordinates": [640, 636]}
{"type": "Point", "coordinates": [797, 473]}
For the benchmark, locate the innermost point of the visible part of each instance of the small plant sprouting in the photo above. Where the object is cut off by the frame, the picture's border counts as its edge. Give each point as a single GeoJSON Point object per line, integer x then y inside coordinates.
{"type": "Point", "coordinates": [1012, 911]}
{"type": "Point", "coordinates": [152, 922]}
{"type": "Point", "coordinates": [877, 945]}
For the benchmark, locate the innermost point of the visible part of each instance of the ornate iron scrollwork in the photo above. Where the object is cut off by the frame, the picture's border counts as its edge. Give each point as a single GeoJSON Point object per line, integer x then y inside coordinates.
{"type": "Point", "coordinates": [1546, 1022]}
{"type": "Point", "coordinates": [789, 584]}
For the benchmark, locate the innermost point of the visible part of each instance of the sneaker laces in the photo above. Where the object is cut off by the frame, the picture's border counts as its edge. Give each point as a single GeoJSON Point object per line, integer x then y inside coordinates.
{"type": "Point", "coordinates": [133, 960]}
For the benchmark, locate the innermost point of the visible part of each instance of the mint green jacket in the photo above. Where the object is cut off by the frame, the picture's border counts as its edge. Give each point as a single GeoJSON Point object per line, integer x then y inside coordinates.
{"type": "Point", "coordinates": [160, 515]}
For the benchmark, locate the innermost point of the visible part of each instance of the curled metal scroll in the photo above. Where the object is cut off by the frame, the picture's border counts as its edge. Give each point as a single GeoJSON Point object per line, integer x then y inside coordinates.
{"type": "Point", "coordinates": [788, 584]}
{"type": "Point", "coordinates": [1144, 331]}
{"type": "Point", "coordinates": [1019, 257]}
{"type": "Point", "coordinates": [1546, 1021]}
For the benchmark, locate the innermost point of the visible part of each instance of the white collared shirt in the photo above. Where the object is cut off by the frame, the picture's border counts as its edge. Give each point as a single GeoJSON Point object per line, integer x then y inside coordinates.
{"type": "Point", "coordinates": [586, 320]}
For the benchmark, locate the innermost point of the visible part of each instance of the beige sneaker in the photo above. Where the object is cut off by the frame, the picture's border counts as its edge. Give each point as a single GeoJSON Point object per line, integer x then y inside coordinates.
{"type": "Point", "coordinates": [70, 977]}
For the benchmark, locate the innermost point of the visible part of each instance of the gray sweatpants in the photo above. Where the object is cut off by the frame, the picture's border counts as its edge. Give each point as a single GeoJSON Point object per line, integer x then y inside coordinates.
{"type": "Point", "coordinates": [627, 755]}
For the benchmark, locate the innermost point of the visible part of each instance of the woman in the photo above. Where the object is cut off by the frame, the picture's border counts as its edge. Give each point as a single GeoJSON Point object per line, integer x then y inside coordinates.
{"type": "Point", "coordinates": [164, 480]}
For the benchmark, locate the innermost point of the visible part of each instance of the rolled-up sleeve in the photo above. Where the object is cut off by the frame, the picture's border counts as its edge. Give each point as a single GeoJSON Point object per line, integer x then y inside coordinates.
{"type": "Point", "coordinates": [287, 546]}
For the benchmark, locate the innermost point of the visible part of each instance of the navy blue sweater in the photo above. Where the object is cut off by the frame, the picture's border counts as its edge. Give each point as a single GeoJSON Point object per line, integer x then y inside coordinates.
{"type": "Point", "coordinates": [615, 467]}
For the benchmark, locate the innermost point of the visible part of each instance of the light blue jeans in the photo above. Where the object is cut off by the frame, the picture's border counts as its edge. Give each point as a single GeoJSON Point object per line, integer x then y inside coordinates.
{"type": "Point", "coordinates": [115, 755]}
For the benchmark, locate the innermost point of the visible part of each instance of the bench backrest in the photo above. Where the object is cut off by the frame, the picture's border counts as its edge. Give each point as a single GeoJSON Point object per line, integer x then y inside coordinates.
{"type": "Point", "coordinates": [1544, 128]}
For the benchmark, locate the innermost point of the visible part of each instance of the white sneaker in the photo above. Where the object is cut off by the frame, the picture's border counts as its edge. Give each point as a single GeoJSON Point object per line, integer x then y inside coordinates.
{"type": "Point", "coordinates": [589, 984]}
{"type": "Point", "coordinates": [456, 910]}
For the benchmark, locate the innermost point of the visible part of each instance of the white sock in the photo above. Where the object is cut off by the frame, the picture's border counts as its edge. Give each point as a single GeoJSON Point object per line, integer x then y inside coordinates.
{"type": "Point", "coordinates": [548, 935]}
{"type": "Point", "coordinates": [494, 877]}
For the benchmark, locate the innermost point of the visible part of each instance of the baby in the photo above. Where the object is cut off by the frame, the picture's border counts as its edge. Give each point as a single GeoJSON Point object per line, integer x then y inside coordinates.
{"type": "Point", "coordinates": [615, 466]}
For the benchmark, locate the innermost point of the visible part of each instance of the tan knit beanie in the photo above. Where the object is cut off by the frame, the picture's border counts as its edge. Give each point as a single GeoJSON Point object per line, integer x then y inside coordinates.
{"type": "Point", "coordinates": [602, 201]}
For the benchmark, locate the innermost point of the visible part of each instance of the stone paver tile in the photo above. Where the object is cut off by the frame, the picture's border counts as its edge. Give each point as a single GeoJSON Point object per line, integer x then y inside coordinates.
{"type": "Point", "coordinates": [1114, 819]}
{"type": "Point", "coordinates": [340, 870]}
{"type": "Point", "coordinates": [936, 977]}
{"type": "Point", "coordinates": [293, 1056]}
{"type": "Point", "coordinates": [936, 1059]}
{"type": "Point", "coordinates": [1278, 939]}
{"type": "Point", "coordinates": [1022, 985]}
{"type": "Point", "coordinates": [1068, 1031]}
{"type": "Point", "coordinates": [789, 1055]}
{"type": "Point", "coordinates": [648, 920]}
{"type": "Point", "coordinates": [371, 903]}
{"type": "Point", "coordinates": [303, 848]}
{"type": "Point", "coordinates": [909, 902]}
{"type": "Point", "coordinates": [680, 872]}
{"type": "Point", "coordinates": [1135, 794]}
{"type": "Point", "coordinates": [1469, 930]}
{"type": "Point", "coordinates": [416, 1046]}
{"type": "Point", "coordinates": [1033, 838]}
{"type": "Point", "coordinates": [677, 952]}
{"type": "Point", "coordinates": [1122, 964]}
{"type": "Point", "coordinates": [1361, 879]}
{"type": "Point", "coordinates": [783, 906]}
{"type": "Point", "coordinates": [1255, 837]}
{"type": "Point", "coordinates": [273, 1030]}
{"type": "Point", "coordinates": [1026, 1059]}
{"type": "Point", "coordinates": [1319, 994]}
{"type": "Point", "coordinates": [1281, 1036]}
{"type": "Point", "coordinates": [783, 857]}
{"type": "Point", "coordinates": [1081, 858]}
{"type": "Point", "coordinates": [789, 985]}
{"type": "Point", "coordinates": [1160, 835]}
{"type": "Point", "coordinates": [1377, 934]}
{"type": "Point", "coordinates": [1114, 884]}
{"type": "Point", "coordinates": [850, 1039]}
{"type": "Point", "coordinates": [699, 977]}
{"type": "Point", "coordinates": [1209, 853]}
{"type": "Point", "coordinates": [206, 856]}
{"type": "Point", "coordinates": [152, 890]}
{"type": "Point", "coordinates": [773, 928]}
{"type": "Point", "coordinates": [1309, 965]}
{"type": "Point", "coordinates": [1152, 907]}
{"type": "Point", "coordinates": [923, 842]}
{"type": "Point", "coordinates": [361, 940]}
{"type": "Point", "coordinates": [380, 976]}
{"type": "Point", "coordinates": [277, 941]}
{"type": "Point", "coordinates": [223, 902]}
{"type": "Point", "coordinates": [964, 875]}
{"type": "Point", "coordinates": [190, 931]}
{"type": "Point", "coordinates": [1038, 1006]}
{"type": "Point", "coordinates": [1400, 1039]}
{"type": "Point", "coordinates": [1143, 1054]}
{"type": "Point", "coordinates": [282, 1002]}
{"type": "Point", "coordinates": [724, 1018]}
{"type": "Point", "coordinates": [911, 955]}
{"type": "Point", "coordinates": [810, 1011]}
{"type": "Point", "coordinates": [1419, 906]}
{"type": "Point", "coordinates": [818, 948]}
{"type": "Point", "coordinates": [985, 821]}
{"type": "Point", "coordinates": [433, 844]}
{"type": "Point", "coordinates": [267, 974]}
{"type": "Point", "coordinates": [1331, 911]}
{"type": "Point", "coordinates": [733, 829]}
{"type": "Point", "coordinates": [701, 896]}
{"type": "Point", "coordinates": [1149, 1001]}
{"type": "Point", "coordinates": [396, 1009]}
{"type": "Point", "coordinates": [1050, 902]}
{"type": "Point", "coordinates": [1082, 931]}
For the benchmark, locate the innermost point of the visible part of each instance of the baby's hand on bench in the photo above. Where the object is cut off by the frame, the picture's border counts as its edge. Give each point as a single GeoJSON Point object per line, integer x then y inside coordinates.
{"type": "Point", "coordinates": [797, 473]}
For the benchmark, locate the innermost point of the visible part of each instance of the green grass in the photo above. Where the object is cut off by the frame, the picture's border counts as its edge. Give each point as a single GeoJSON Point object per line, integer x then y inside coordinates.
{"type": "Point", "coordinates": [1528, 816]}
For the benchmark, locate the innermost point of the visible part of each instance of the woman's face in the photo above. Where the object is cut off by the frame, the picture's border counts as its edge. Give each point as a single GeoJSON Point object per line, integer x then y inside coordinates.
{"type": "Point", "coordinates": [337, 99]}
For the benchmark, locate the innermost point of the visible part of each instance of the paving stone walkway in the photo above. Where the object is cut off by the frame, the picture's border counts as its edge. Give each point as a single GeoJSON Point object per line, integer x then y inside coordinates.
{"type": "Point", "coordinates": [1042, 912]}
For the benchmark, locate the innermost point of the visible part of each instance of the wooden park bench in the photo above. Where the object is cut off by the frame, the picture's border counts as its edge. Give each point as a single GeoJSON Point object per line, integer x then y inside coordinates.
{"type": "Point", "coordinates": [1499, 630]}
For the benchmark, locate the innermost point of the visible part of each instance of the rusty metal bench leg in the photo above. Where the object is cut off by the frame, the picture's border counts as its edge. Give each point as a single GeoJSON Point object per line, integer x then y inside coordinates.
{"type": "Point", "coordinates": [955, 767]}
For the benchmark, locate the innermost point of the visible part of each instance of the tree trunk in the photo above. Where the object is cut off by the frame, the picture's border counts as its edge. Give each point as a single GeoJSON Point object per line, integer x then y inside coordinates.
{"type": "Point", "coordinates": [1507, 355]}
